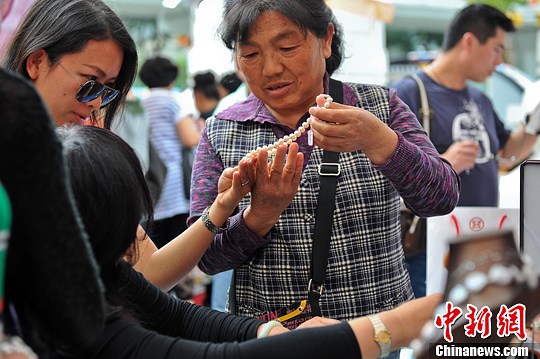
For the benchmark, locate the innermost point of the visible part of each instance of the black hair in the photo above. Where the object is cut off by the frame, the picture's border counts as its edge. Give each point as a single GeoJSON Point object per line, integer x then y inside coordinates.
{"type": "Point", "coordinates": [158, 72]}
{"type": "Point", "coordinates": [64, 27]}
{"type": "Point", "coordinates": [230, 81]}
{"type": "Point", "coordinates": [205, 83]}
{"type": "Point", "coordinates": [310, 15]}
{"type": "Point", "coordinates": [480, 19]}
{"type": "Point", "coordinates": [111, 194]}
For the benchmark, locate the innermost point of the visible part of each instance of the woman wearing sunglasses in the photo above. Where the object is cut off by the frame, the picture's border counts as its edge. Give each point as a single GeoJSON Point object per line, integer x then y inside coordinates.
{"type": "Point", "coordinates": [81, 68]}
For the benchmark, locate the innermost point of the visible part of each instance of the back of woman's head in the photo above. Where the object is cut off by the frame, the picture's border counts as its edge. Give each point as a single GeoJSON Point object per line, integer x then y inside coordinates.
{"type": "Point", "coordinates": [158, 72]}
{"type": "Point", "coordinates": [205, 83]}
{"type": "Point", "coordinates": [230, 81]}
{"type": "Point", "coordinates": [110, 191]}
{"type": "Point", "coordinates": [310, 15]}
{"type": "Point", "coordinates": [64, 27]}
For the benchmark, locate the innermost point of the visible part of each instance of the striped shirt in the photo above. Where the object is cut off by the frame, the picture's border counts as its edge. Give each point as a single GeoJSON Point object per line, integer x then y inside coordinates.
{"type": "Point", "coordinates": [366, 271]}
{"type": "Point", "coordinates": [163, 113]}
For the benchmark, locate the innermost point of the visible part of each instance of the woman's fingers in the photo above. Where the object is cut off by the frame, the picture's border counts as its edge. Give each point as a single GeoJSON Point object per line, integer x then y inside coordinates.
{"type": "Point", "coordinates": [286, 171]}
{"type": "Point", "coordinates": [276, 166]}
{"type": "Point", "coordinates": [293, 166]}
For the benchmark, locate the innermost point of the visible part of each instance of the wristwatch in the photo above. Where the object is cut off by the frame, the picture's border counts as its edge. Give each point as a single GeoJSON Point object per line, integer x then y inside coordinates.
{"type": "Point", "coordinates": [211, 226]}
{"type": "Point", "coordinates": [382, 335]}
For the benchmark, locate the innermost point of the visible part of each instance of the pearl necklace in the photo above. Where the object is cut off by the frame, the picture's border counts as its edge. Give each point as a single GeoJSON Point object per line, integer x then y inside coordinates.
{"type": "Point", "coordinates": [290, 138]}
{"type": "Point", "coordinates": [499, 274]}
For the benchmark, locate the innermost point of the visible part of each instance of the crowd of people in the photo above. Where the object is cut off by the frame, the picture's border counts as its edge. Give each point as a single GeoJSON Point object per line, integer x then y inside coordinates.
{"type": "Point", "coordinates": [106, 252]}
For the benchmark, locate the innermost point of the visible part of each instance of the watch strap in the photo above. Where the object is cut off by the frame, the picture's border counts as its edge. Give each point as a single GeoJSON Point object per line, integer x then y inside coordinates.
{"type": "Point", "coordinates": [382, 336]}
{"type": "Point", "coordinates": [211, 226]}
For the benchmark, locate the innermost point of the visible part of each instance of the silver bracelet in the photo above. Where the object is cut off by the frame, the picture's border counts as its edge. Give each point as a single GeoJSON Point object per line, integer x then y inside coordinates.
{"type": "Point", "coordinates": [211, 226]}
{"type": "Point", "coordinates": [267, 327]}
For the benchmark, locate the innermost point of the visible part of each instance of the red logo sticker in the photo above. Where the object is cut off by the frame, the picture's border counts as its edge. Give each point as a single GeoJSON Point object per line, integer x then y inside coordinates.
{"type": "Point", "coordinates": [476, 224]}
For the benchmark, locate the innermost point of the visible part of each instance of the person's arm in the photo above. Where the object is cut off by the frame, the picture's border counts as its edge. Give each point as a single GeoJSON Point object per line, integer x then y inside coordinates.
{"type": "Point", "coordinates": [166, 266]}
{"type": "Point", "coordinates": [404, 324]}
{"type": "Point", "coordinates": [174, 328]}
{"type": "Point", "coordinates": [273, 190]}
{"type": "Point", "coordinates": [519, 143]}
{"type": "Point", "coordinates": [188, 131]}
{"type": "Point", "coordinates": [517, 148]}
{"type": "Point", "coordinates": [401, 150]}
{"type": "Point", "coordinates": [237, 243]}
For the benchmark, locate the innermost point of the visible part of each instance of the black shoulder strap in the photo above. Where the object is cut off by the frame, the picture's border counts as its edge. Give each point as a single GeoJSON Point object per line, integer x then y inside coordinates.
{"type": "Point", "coordinates": [329, 171]}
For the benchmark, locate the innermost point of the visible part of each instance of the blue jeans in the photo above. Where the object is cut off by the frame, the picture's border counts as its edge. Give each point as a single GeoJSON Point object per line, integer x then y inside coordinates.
{"type": "Point", "coordinates": [417, 271]}
{"type": "Point", "coordinates": [220, 290]}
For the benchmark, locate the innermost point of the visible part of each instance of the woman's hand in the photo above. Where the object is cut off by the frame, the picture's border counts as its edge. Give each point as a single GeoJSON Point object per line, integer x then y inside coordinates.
{"type": "Point", "coordinates": [343, 128]}
{"type": "Point", "coordinates": [275, 186]}
{"type": "Point", "coordinates": [235, 183]}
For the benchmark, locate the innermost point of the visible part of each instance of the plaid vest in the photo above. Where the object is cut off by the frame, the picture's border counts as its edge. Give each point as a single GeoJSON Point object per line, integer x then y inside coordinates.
{"type": "Point", "coordinates": [366, 271]}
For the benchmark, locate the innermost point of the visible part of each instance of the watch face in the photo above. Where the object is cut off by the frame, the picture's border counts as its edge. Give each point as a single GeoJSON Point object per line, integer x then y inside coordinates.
{"type": "Point", "coordinates": [383, 337]}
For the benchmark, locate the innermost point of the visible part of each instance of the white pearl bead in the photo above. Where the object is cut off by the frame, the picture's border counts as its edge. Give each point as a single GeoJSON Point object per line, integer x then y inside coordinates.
{"type": "Point", "coordinates": [458, 294]}
{"type": "Point", "coordinates": [476, 281]}
{"type": "Point", "coordinates": [500, 274]}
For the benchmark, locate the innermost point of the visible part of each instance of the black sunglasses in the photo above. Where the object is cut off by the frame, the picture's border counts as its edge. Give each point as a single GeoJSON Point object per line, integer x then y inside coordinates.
{"type": "Point", "coordinates": [92, 89]}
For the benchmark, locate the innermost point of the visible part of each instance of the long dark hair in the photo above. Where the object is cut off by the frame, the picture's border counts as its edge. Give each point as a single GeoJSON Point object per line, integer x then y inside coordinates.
{"type": "Point", "coordinates": [110, 191]}
{"type": "Point", "coordinates": [64, 27]}
{"type": "Point", "coordinates": [310, 15]}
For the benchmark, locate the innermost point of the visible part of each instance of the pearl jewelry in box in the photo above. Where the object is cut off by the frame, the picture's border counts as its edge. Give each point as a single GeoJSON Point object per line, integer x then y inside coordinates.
{"type": "Point", "coordinates": [462, 222]}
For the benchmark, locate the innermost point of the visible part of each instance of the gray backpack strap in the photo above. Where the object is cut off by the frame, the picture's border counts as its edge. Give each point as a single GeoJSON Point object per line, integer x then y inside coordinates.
{"type": "Point", "coordinates": [425, 110]}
